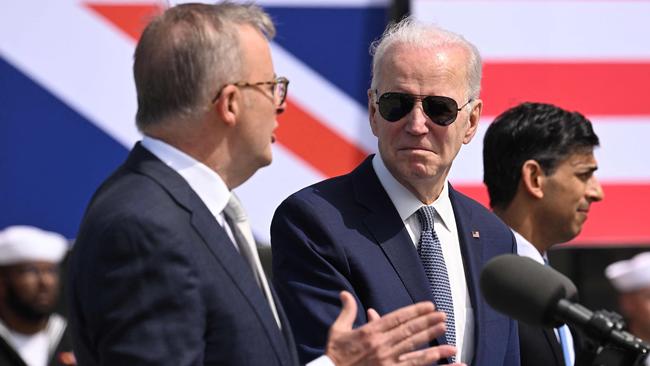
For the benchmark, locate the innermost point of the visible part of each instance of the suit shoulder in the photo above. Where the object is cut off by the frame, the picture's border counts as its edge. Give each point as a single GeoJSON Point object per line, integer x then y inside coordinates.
{"type": "Point", "coordinates": [476, 208]}
{"type": "Point", "coordinates": [328, 191]}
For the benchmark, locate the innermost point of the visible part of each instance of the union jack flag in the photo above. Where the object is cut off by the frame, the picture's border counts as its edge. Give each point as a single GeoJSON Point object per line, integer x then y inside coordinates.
{"type": "Point", "coordinates": [68, 99]}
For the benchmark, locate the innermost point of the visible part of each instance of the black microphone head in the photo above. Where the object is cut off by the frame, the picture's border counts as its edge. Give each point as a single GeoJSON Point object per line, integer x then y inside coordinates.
{"type": "Point", "coordinates": [525, 290]}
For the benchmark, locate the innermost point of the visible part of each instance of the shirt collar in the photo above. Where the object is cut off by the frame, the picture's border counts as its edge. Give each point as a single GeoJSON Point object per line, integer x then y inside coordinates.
{"type": "Point", "coordinates": [527, 249]}
{"type": "Point", "coordinates": [205, 182]}
{"type": "Point", "coordinates": [405, 202]}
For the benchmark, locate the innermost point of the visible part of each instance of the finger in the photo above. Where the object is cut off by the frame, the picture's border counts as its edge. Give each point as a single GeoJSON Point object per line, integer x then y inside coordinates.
{"type": "Point", "coordinates": [348, 313]}
{"type": "Point", "coordinates": [417, 331]}
{"type": "Point", "coordinates": [428, 355]}
{"type": "Point", "coordinates": [403, 315]}
{"type": "Point", "coordinates": [373, 315]}
{"type": "Point", "coordinates": [406, 342]}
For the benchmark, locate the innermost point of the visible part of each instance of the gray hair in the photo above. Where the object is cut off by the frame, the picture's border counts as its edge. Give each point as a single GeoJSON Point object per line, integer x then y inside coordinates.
{"type": "Point", "coordinates": [427, 36]}
{"type": "Point", "coordinates": [186, 55]}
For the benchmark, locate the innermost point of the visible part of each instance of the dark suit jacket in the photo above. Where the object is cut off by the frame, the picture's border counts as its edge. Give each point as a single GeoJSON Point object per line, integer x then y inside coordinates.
{"type": "Point", "coordinates": [155, 280]}
{"type": "Point", "coordinates": [540, 347]}
{"type": "Point", "coordinates": [345, 234]}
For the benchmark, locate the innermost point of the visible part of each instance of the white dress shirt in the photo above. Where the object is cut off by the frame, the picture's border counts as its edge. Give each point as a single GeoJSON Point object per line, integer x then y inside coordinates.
{"type": "Point", "coordinates": [444, 224]}
{"type": "Point", "coordinates": [36, 349]}
{"type": "Point", "coordinates": [527, 249]}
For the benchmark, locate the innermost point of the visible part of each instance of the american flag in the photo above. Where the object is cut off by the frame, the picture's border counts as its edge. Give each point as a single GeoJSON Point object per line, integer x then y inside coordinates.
{"type": "Point", "coordinates": [68, 99]}
{"type": "Point", "coordinates": [587, 55]}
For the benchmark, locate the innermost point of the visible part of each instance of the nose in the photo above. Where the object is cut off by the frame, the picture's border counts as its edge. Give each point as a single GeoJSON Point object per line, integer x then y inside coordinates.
{"type": "Point", "coordinates": [416, 120]}
{"type": "Point", "coordinates": [595, 190]}
{"type": "Point", "coordinates": [280, 109]}
{"type": "Point", "coordinates": [48, 277]}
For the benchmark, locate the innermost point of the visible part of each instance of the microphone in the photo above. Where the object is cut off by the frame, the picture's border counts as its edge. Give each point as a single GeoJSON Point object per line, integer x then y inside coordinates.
{"type": "Point", "coordinates": [525, 290]}
{"type": "Point", "coordinates": [541, 296]}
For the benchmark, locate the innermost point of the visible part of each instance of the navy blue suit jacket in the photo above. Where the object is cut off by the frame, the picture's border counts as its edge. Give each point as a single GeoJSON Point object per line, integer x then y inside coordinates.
{"type": "Point", "coordinates": [345, 234]}
{"type": "Point", "coordinates": [155, 280]}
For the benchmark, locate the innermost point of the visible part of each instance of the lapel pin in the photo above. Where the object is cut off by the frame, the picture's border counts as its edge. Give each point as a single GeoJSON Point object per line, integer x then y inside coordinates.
{"type": "Point", "coordinates": [475, 234]}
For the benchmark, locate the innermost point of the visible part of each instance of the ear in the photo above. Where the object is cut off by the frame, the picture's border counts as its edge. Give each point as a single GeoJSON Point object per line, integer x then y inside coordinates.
{"type": "Point", "coordinates": [474, 117]}
{"type": "Point", "coordinates": [228, 105]}
{"type": "Point", "coordinates": [532, 178]}
{"type": "Point", "coordinates": [372, 110]}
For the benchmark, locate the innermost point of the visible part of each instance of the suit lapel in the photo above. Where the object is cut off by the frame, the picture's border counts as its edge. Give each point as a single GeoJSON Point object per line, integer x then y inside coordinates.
{"type": "Point", "coordinates": [554, 345]}
{"type": "Point", "coordinates": [389, 232]}
{"type": "Point", "coordinates": [214, 237]}
{"type": "Point", "coordinates": [286, 327]}
{"type": "Point", "coordinates": [471, 249]}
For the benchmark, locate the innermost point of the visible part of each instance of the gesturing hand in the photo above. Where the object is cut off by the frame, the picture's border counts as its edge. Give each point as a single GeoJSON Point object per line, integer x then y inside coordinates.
{"type": "Point", "coordinates": [388, 340]}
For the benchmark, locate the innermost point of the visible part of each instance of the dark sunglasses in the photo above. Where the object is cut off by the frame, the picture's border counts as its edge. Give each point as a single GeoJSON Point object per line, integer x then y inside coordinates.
{"type": "Point", "coordinates": [440, 110]}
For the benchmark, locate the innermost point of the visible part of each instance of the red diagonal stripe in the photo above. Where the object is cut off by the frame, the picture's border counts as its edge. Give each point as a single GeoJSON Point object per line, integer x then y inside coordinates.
{"type": "Point", "coordinates": [300, 131]}
{"type": "Point", "coordinates": [129, 18]}
{"type": "Point", "coordinates": [314, 142]}
{"type": "Point", "coordinates": [618, 219]}
{"type": "Point", "coordinates": [593, 88]}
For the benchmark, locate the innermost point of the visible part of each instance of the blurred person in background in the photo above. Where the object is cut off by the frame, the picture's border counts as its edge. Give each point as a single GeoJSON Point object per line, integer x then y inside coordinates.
{"type": "Point", "coordinates": [631, 278]}
{"type": "Point", "coordinates": [31, 333]}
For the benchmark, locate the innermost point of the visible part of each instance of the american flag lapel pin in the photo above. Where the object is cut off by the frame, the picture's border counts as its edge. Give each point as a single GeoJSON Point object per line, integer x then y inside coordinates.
{"type": "Point", "coordinates": [475, 234]}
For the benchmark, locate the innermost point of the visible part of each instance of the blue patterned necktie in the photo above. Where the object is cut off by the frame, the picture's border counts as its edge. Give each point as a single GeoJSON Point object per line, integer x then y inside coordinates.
{"type": "Point", "coordinates": [430, 253]}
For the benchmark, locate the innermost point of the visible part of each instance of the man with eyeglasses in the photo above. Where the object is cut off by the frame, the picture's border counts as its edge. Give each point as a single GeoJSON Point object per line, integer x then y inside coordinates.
{"type": "Point", "coordinates": [394, 231]}
{"type": "Point", "coordinates": [165, 269]}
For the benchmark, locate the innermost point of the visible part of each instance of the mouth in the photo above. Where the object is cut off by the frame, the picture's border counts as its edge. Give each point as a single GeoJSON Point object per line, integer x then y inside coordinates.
{"type": "Point", "coordinates": [584, 211]}
{"type": "Point", "coordinates": [416, 148]}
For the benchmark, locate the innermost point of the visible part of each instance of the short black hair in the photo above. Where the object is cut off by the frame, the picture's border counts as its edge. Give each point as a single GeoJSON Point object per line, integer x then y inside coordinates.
{"type": "Point", "coordinates": [530, 131]}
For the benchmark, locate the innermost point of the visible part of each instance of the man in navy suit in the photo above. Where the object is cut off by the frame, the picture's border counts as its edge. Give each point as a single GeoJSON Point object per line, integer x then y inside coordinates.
{"type": "Point", "coordinates": [164, 269]}
{"type": "Point", "coordinates": [539, 169]}
{"type": "Point", "coordinates": [393, 231]}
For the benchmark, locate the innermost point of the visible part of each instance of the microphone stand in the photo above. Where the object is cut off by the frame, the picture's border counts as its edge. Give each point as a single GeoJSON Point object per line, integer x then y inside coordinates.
{"type": "Point", "coordinates": [613, 346]}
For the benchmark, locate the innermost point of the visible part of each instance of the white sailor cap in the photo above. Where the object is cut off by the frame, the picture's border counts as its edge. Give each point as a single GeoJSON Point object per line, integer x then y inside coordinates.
{"type": "Point", "coordinates": [630, 275]}
{"type": "Point", "coordinates": [20, 244]}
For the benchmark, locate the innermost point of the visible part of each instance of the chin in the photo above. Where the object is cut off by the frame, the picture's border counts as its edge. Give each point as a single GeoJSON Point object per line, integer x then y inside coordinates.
{"type": "Point", "coordinates": [265, 161]}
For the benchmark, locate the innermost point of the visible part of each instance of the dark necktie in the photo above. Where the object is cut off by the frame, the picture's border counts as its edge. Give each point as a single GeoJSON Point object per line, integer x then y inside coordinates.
{"type": "Point", "coordinates": [430, 252]}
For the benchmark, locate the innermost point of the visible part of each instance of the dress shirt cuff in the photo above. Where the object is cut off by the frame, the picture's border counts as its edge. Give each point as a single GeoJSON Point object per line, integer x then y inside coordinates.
{"type": "Point", "coordinates": [321, 361]}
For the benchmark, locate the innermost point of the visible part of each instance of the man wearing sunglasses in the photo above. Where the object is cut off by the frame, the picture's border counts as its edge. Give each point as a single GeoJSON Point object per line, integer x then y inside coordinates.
{"type": "Point", "coordinates": [394, 231]}
{"type": "Point", "coordinates": [165, 269]}
{"type": "Point", "coordinates": [539, 170]}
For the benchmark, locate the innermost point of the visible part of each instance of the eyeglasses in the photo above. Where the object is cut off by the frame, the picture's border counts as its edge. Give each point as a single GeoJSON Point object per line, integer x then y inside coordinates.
{"type": "Point", "coordinates": [440, 110]}
{"type": "Point", "coordinates": [280, 88]}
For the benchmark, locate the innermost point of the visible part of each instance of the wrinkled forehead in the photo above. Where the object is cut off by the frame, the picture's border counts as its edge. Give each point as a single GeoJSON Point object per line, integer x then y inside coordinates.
{"type": "Point", "coordinates": [447, 63]}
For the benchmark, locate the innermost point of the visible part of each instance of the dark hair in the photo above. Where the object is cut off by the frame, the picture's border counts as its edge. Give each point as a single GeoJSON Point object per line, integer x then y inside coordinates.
{"type": "Point", "coordinates": [186, 54]}
{"type": "Point", "coordinates": [530, 131]}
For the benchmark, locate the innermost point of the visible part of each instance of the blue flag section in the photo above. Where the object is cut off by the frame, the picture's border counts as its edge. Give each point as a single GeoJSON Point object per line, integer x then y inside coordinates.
{"type": "Point", "coordinates": [57, 147]}
{"type": "Point", "coordinates": [334, 42]}
{"type": "Point", "coordinates": [52, 159]}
